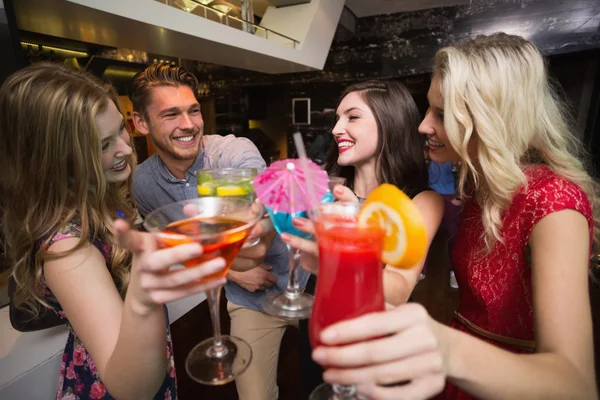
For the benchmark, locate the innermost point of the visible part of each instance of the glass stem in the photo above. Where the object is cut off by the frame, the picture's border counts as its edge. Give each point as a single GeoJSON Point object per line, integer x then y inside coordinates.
{"type": "Point", "coordinates": [293, 288]}
{"type": "Point", "coordinates": [214, 300]}
{"type": "Point", "coordinates": [342, 392]}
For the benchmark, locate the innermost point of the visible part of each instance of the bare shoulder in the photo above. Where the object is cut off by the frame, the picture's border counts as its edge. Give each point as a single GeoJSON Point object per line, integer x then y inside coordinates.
{"type": "Point", "coordinates": [430, 201]}
{"type": "Point", "coordinates": [83, 257]}
{"type": "Point", "coordinates": [560, 226]}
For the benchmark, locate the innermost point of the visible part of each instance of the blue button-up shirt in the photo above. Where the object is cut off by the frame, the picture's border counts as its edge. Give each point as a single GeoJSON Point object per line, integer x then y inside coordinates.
{"type": "Point", "coordinates": [154, 186]}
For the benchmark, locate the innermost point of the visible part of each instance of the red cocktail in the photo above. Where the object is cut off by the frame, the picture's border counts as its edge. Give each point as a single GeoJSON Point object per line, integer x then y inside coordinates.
{"type": "Point", "coordinates": [350, 282]}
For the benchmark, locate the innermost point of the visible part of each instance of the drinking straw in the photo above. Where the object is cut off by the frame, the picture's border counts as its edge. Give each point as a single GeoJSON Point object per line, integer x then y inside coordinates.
{"type": "Point", "coordinates": [307, 173]}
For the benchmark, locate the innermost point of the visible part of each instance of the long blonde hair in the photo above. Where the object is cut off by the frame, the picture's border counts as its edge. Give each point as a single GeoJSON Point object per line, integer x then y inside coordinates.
{"type": "Point", "coordinates": [51, 172]}
{"type": "Point", "coordinates": [497, 95]}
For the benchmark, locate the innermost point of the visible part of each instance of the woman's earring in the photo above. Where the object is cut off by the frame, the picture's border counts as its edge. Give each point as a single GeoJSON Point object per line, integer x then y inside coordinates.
{"type": "Point", "coordinates": [456, 166]}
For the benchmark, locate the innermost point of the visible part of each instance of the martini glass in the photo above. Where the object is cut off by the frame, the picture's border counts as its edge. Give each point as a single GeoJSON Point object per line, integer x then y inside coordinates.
{"type": "Point", "coordinates": [293, 303]}
{"type": "Point", "coordinates": [220, 225]}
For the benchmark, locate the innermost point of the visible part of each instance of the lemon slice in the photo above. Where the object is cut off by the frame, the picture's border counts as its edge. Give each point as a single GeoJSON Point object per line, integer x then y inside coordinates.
{"type": "Point", "coordinates": [405, 235]}
{"type": "Point", "coordinates": [206, 189]}
{"type": "Point", "coordinates": [223, 191]}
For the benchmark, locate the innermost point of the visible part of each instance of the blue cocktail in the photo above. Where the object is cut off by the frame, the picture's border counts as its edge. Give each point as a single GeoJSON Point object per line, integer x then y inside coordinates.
{"type": "Point", "coordinates": [293, 303]}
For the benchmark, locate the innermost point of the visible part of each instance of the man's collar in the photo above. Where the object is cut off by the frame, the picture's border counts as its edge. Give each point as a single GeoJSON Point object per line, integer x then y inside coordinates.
{"type": "Point", "coordinates": [165, 173]}
{"type": "Point", "coordinates": [196, 166]}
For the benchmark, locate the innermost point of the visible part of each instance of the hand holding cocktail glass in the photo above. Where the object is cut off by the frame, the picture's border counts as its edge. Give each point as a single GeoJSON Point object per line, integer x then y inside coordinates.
{"type": "Point", "coordinates": [220, 225]}
{"type": "Point", "coordinates": [152, 282]}
{"type": "Point", "coordinates": [237, 182]}
{"type": "Point", "coordinates": [309, 250]}
{"type": "Point", "coordinates": [284, 190]}
{"type": "Point", "coordinates": [354, 243]}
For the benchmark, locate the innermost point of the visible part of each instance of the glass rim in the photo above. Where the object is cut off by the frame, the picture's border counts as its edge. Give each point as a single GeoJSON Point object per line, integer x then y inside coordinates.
{"type": "Point", "coordinates": [247, 224]}
{"type": "Point", "coordinates": [324, 216]}
{"type": "Point", "coordinates": [337, 179]}
{"type": "Point", "coordinates": [229, 172]}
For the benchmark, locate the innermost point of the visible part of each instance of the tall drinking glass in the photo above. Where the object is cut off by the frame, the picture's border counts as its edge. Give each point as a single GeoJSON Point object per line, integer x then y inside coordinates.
{"type": "Point", "coordinates": [228, 182]}
{"type": "Point", "coordinates": [220, 225]}
{"type": "Point", "coordinates": [350, 280]}
{"type": "Point", "coordinates": [293, 303]}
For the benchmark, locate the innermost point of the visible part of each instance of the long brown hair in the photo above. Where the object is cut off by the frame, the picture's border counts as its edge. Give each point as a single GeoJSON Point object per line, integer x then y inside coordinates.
{"type": "Point", "coordinates": [51, 172]}
{"type": "Point", "coordinates": [400, 154]}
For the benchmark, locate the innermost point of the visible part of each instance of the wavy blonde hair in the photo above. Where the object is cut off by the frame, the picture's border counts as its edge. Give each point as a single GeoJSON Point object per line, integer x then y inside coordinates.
{"type": "Point", "coordinates": [498, 98]}
{"type": "Point", "coordinates": [51, 173]}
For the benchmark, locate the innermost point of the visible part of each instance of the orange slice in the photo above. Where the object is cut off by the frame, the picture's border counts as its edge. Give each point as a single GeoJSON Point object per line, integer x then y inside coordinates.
{"type": "Point", "coordinates": [405, 235]}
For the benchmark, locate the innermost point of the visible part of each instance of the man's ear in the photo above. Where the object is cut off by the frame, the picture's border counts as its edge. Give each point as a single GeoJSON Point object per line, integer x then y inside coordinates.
{"type": "Point", "coordinates": [140, 123]}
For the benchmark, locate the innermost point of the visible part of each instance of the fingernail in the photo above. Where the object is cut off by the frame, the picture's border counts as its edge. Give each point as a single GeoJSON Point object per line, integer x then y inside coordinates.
{"type": "Point", "coordinates": [329, 376]}
{"type": "Point", "coordinates": [286, 238]}
{"type": "Point", "coordinates": [298, 221]}
{"type": "Point", "coordinates": [338, 189]}
{"type": "Point", "coordinates": [328, 335]}
{"type": "Point", "coordinates": [318, 354]}
{"type": "Point", "coordinates": [199, 249]}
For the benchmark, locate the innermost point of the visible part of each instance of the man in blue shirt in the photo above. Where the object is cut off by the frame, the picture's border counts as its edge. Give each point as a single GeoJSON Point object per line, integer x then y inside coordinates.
{"type": "Point", "coordinates": [167, 110]}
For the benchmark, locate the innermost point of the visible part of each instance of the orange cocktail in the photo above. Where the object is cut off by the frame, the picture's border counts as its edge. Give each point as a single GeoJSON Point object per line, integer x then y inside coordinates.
{"type": "Point", "coordinates": [226, 245]}
{"type": "Point", "coordinates": [220, 225]}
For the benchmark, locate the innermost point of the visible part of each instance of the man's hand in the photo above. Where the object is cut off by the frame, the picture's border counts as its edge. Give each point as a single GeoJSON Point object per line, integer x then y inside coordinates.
{"type": "Point", "coordinates": [256, 279]}
{"type": "Point", "coordinates": [250, 257]}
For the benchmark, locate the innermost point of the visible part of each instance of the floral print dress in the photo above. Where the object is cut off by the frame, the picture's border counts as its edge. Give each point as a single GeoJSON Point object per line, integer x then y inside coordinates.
{"type": "Point", "coordinates": [78, 377]}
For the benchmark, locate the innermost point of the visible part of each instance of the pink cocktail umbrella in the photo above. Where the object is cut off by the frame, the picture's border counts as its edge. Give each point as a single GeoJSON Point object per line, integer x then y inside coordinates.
{"type": "Point", "coordinates": [283, 188]}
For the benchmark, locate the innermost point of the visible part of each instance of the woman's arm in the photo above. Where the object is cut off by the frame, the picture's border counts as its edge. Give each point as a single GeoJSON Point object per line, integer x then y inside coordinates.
{"type": "Point", "coordinates": [563, 366]}
{"type": "Point", "coordinates": [126, 339]}
{"type": "Point", "coordinates": [398, 284]}
{"type": "Point", "coordinates": [423, 351]}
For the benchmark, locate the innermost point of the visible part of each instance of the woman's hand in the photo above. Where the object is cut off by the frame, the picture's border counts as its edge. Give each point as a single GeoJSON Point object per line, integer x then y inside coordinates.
{"type": "Point", "coordinates": [343, 193]}
{"type": "Point", "coordinates": [309, 251]}
{"type": "Point", "coordinates": [401, 354]}
{"type": "Point", "coordinates": [152, 283]}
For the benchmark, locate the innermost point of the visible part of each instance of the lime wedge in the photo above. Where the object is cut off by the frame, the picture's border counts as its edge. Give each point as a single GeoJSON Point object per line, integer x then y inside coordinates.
{"type": "Point", "coordinates": [203, 178]}
{"type": "Point", "coordinates": [247, 186]}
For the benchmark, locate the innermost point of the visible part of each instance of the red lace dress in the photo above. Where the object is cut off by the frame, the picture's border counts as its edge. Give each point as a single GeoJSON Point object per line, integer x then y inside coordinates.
{"type": "Point", "coordinates": [495, 289]}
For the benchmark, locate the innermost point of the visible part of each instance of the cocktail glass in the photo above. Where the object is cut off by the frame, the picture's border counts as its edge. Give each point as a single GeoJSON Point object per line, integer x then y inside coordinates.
{"type": "Point", "coordinates": [293, 303]}
{"type": "Point", "coordinates": [220, 225]}
{"type": "Point", "coordinates": [350, 280]}
{"type": "Point", "coordinates": [228, 182]}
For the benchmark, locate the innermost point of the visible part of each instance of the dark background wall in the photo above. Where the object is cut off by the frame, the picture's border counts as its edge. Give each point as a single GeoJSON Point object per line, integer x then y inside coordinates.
{"type": "Point", "coordinates": [401, 46]}
{"type": "Point", "coordinates": [10, 48]}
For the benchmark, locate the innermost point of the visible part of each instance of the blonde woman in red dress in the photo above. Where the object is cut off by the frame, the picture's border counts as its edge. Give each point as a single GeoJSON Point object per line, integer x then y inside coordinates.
{"type": "Point", "coordinates": [523, 327]}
